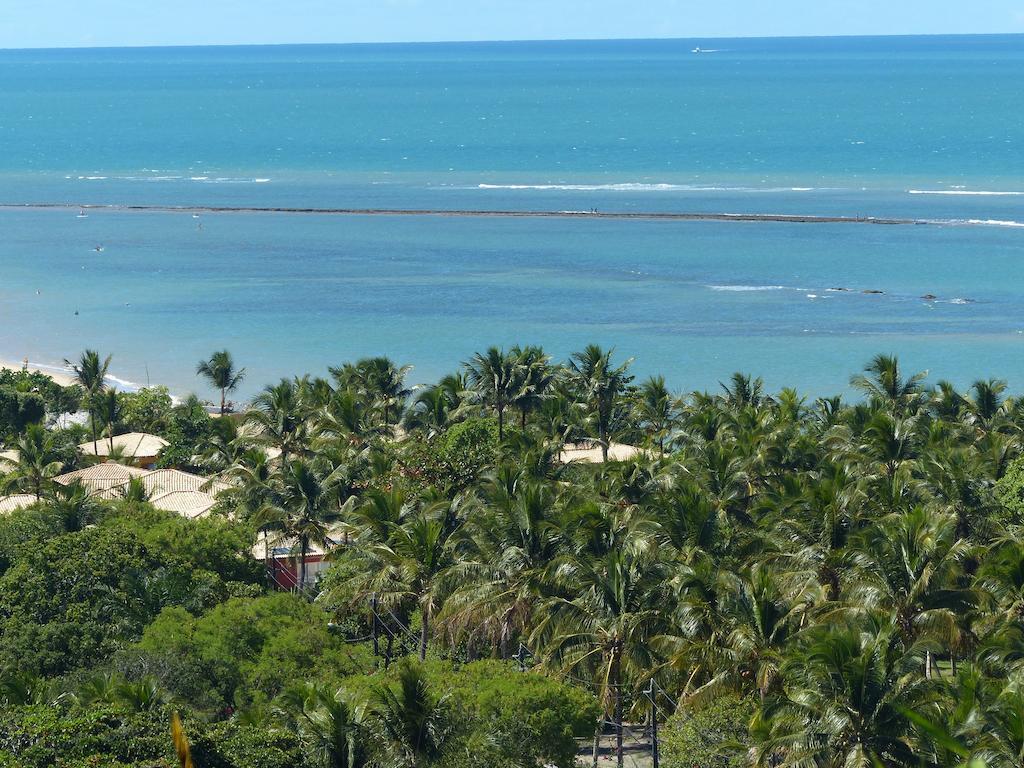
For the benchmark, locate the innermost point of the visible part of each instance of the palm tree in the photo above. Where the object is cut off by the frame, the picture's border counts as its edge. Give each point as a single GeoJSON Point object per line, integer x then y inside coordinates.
{"type": "Point", "coordinates": [434, 407]}
{"type": "Point", "coordinates": [279, 415]}
{"type": "Point", "coordinates": [602, 625]}
{"type": "Point", "coordinates": [883, 382]}
{"type": "Point", "coordinates": [416, 724]}
{"type": "Point", "coordinates": [91, 375]}
{"type": "Point", "coordinates": [74, 506]}
{"type": "Point", "coordinates": [600, 387]}
{"type": "Point", "coordinates": [534, 377]}
{"type": "Point", "coordinates": [407, 547]}
{"type": "Point", "coordinates": [494, 377]}
{"type": "Point", "coordinates": [505, 553]}
{"type": "Point", "coordinates": [909, 569]}
{"type": "Point", "coordinates": [328, 724]}
{"type": "Point", "coordinates": [656, 411]}
{"type": "Point", "coordinates": [302, 508]}
{"type": "Point", "coordinates": [847, 692]}
{"type": "Point", "coordinates": [38, 462]}
{"type": "Point", "coordinates": [379, 383]}
{"type": "Point", "coordinates": [110, 412]}
{"type": "Point", "coordinates": [220, 371]}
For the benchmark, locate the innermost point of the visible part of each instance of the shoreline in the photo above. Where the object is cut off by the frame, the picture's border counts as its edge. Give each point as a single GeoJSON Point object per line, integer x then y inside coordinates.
{"type": "Point", "coordinates": [58, 373]}
{"type": "Point", "coordinates": [64, 377]}
{"type": "Point", "coordinates": [784, 218]}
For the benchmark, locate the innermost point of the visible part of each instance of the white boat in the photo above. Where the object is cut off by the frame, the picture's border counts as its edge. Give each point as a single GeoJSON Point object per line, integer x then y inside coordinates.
{"type": "Point", "coordinates": [697, 50]}
{"type": "Point", "coordinates": [83, 215]}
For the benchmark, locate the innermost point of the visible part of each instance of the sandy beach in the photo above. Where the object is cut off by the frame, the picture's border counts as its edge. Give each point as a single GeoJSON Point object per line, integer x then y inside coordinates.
{"type": "Point", "coordinates": [63, 378]}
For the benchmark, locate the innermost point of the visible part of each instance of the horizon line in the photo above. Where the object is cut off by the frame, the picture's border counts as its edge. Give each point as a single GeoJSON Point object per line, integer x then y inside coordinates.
{"type": "Point", "coordinates": [509, 41]}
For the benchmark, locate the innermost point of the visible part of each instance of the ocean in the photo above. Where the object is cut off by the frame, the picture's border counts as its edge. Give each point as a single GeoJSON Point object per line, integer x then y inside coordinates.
{"type": "Point", "coordinates": [923, 129]}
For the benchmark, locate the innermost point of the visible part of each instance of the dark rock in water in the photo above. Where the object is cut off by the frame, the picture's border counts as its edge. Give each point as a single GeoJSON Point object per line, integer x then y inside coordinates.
{"type": "Point", "coordinates": [872, 290]}
{"type": "Point", "coordinates": [929, 297]}
{"type": "Point", "coordinates": [838, 290]}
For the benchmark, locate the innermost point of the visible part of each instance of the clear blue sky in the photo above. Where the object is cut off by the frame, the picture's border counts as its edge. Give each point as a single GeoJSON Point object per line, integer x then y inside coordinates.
{"type": "Point", "coordinates": [60, 23]}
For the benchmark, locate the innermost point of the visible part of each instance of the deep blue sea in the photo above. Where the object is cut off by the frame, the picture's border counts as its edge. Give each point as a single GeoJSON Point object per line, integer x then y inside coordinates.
{"type": "Point", "coordinates": [928, 128]}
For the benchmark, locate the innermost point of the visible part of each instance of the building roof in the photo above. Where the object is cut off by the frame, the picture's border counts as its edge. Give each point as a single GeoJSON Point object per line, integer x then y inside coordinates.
{"type": "Point", "coordinates": [161, 481]}
{"type": "Point", "coordinates": [18, 501]}
{"type": "Point", "coordinates": [590, 453]}
{"type": "Point", "coordinates": [136, 445]}
{"type": "Point", "coordinates": [168, 489]}
{"type": "Point", "coordinates": [7, 458]}
{"type": "Point", "coordinates": [190, 504]}
{"type": "Point", "coordinates": [104, 480]}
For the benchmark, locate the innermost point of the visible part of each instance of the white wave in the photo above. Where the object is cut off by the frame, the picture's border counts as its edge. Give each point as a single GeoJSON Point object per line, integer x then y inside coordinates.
{"type": "Point", "coordinates": [639, 187]}
{"type": "Point", "coordinates": [746, 288]}
{"type": "Point", "coordinates": [995, 223]}
{"type": "Point", "coordinates": [124, 384]}
{"type": "Point", "coordinates": [977, 192]}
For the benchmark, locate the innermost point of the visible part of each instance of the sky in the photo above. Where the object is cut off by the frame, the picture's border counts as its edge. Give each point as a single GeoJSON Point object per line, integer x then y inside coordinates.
{"type": "Point", "coordinates": [76, 23]}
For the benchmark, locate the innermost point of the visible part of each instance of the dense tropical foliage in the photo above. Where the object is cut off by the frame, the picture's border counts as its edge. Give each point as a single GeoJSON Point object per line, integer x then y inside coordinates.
{"type": "Point", "coordinates": [775, 581]}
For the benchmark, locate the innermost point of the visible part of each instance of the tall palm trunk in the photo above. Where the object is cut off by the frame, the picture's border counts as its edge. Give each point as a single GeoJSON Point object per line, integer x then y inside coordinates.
{"type": "Point", "coordinates": [424, 632]}
{"type": "Point", "coordinates": [617, 688]}
{"type": "Point", "coordinates": [303, 546]}
{"type": "Point", "coordinates": [503, 642]}
{"type": "Point", "coordinates": [501, 424]}
{"type": "Point", "coordinates": [597, 742]}
{"type": "Point", "coordinates": [223, 400]}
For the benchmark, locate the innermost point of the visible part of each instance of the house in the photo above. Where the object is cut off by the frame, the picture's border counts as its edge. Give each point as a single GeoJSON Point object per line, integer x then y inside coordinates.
{"type": "Point", "coordinates": [281, 556]}
{"type": "Point", "coordinates": [103, 480]}
{"type": "Point", "coordinates": [140, 448]}
{"type": "Point", "coordinates": [168, 489]}
{"type": "Point", "coordinates": [161, 481]}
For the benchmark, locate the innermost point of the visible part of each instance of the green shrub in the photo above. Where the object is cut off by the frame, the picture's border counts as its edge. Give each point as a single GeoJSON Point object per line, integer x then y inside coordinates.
{"type": "Point", "coordinates": [456, 458]}
{"type": "Point", "coordinates": [714, 736]}
{"type": "Point", "coordinates": [106, 737]}
{"type": "Point", "coordinates": [18, 410]}
{"type": "Point", "coordinates": [1009, 492]}
{"type": "Point", "coordinates": [505, 717]}
{"type": "Point", "coordinates": [148, 410]}
{"type": "Point", "coordinates": [72, 600]}
{"type": "Point", "coordinates": [243, 648]}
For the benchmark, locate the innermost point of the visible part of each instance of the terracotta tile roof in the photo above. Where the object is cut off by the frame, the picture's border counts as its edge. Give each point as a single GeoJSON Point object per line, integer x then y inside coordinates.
{"type": "Point", "coordinates": [166, 480]}
{"type": "Point", "coordinates": [132, 445]}
{"type": "Point", "coordinates": [104, 479]}
{"type": "Point", "coordinates": [190, 504]}
{"type": "Point", "coordinates": [18, 501]}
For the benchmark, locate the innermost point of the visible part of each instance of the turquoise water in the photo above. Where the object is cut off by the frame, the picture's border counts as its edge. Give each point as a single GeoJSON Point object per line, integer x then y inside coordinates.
{"type": "Point", "coordinates": [921, 128]}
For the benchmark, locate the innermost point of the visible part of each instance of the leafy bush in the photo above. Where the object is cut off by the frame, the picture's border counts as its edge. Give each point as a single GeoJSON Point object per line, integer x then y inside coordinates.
{"type": "Point", "coordinates": [530, 718]}
{"type": "Point", "coordinates": [714, 736]}
{"type": "Point", "coordinates": [245, 647]}
{"type": "Point", "coordinates": [18, 410]}
{"type": "Point", "coordinates": [1009, 491]}
{"type": "Point", "coordinates": [72, 600]}
{"type": "Point", "coordinates": [456, 458]}
{"type": "Point", "coordinates": [148, 410]}
{"type": "Point", "coordinates": [108, 737]}
{"type": "Point", "coordinates": [57, 399]}
{"type": "Point", "coordinates": [190, 426]}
